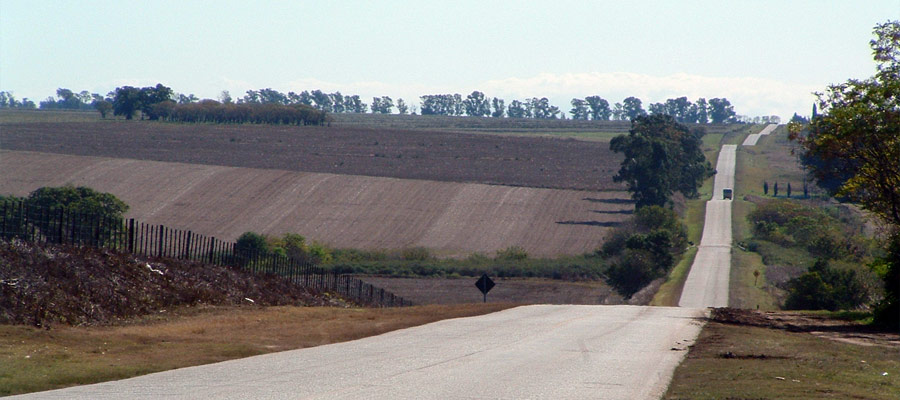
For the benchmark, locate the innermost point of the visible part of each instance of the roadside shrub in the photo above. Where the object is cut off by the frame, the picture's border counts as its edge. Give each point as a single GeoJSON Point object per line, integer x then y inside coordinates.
{"type": "Point", "coordinates": [415, 254]}
{"type": "Point", "coordinates": [643, 249]}
{"type": "Point", "coordinates": [632, 271]}
{"type": "Point", "coordinates": [251, 244]}
{"type": "Point", "coordinates": [826, 288]}
{"type": "Point", "coordinates": [512, 253]}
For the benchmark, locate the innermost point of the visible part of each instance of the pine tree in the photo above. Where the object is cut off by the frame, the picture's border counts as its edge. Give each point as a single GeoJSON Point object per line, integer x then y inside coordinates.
{"type": "Point", "coordinates": [765, 187]}
{"type": "Point", "coordinates": [789, 190]}
{"type": "Point", "coordinates": [775, 190]}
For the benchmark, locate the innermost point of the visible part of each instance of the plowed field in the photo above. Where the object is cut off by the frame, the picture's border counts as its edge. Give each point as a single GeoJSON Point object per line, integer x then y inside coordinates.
{"type": "Point", "coordinates": [339, 210]}
{"type": "Point", "coordinates": [420, 154]}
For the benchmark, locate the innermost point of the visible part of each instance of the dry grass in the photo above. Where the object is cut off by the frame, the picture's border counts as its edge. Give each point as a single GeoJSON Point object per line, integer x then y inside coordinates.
{"type": "Point", "coordinates": [746, 362]}
{"type": "Point", "coordinates": [35, 359]}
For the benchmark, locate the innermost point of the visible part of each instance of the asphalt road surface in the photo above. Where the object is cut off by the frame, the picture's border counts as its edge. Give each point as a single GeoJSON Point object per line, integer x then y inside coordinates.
{"type": "Point", "coordinates": [707, 283]}
{"type": "Point", "coordinates": [531, 352]}
{"type": "Point", "coordinates": [752, 139]}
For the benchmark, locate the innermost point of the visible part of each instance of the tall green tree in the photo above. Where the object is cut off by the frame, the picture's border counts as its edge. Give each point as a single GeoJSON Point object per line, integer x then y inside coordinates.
{"type": "Point", "coordinates": [721, 111]}
{"type": "Point", "coordinates": [127, 101]}
{"type": "Point", "coordinates": [579, 109]}
{"type": "Point", "coordinates": [599, 108]}
{"type": "Point", "coordinates": [852, 145]}
{"type": "Point", "coordinates": [499, 109]}
{"type": "Point", "coordinates": [631, 108]}
{"type": "Point", "coordinates": [661, 157]}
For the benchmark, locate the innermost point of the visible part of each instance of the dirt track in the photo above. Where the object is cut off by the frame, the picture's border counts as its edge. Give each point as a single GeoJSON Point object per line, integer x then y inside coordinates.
{"type": "Point", "coordinates": [340, 210]}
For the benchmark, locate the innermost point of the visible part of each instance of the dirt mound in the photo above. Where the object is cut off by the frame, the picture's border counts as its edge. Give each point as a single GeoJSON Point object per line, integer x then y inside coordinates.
{"type": "Point", "coordinates": [42, 285]}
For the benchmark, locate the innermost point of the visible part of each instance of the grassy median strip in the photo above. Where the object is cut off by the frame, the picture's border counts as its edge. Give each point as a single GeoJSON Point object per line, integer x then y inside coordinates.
{"type": "Point", "coordinates": [34, 359]}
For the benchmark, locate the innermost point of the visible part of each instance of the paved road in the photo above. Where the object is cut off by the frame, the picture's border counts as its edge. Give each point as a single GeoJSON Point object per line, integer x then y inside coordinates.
{"type": "Point", "coordinates": [707, 282]}
{"type": "Point", "coordinates": [752, 139]}
{"type": "Point", "coordinates": [532, 352]}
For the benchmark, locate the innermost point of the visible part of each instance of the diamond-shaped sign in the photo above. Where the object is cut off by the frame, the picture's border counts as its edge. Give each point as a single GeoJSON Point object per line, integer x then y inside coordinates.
{"type": "Point", "coordinates": [484, 284]}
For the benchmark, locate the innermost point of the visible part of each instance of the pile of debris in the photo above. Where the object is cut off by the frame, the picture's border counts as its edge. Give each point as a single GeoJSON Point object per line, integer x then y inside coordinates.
{"type": "Point", "coordinates": [51, 284]}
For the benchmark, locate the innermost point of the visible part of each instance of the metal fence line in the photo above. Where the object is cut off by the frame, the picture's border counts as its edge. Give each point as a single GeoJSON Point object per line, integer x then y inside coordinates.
{"type": "Point", "coordinates": [60, 226]}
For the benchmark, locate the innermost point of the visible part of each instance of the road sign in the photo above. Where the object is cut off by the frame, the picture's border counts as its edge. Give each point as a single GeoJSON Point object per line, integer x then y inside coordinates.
{"type": "Point", "coordinates": [484, 284]}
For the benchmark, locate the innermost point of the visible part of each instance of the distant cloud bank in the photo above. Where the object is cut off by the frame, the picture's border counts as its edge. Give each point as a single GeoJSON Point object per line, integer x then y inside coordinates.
{"type": "Point", "coordinates": [750, 96]}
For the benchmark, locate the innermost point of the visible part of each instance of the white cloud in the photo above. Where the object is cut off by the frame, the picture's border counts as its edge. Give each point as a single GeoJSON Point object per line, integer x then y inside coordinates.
{"type": "Point", "coordinates": [749, 95]}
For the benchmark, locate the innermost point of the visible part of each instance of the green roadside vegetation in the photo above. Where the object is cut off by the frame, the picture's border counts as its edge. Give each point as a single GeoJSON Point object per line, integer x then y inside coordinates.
{"type": "Point", "coordinates": [770, 161]}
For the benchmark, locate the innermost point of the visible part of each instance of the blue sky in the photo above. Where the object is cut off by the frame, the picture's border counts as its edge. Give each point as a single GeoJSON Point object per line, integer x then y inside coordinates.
{"type": "Point", "coordinates": [764, 56]}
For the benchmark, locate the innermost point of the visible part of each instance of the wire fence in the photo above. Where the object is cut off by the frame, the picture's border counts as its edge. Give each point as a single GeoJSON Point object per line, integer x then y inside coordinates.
{"type": "Point", "coordinates": [61, 226]}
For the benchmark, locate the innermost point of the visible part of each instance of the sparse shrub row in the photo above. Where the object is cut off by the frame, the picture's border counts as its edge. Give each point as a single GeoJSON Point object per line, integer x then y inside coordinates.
{"type": "Point", "coordinates": [511, 262]}
{"type": "Point", "coordinates": [211, 111]}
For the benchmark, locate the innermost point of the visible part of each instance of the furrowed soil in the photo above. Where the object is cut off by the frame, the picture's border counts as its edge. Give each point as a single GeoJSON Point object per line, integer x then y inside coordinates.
{"type": "Point", "coordinates": [422, 154]}
{"type": "Point", "coordinates": [452, 219]}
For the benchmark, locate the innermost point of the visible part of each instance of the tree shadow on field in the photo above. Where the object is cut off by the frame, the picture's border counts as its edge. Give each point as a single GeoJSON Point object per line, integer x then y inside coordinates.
{"type": "Point", "coordinates": [609, 201]}
{"type": "Point", "coordinates": [610, 224]}
{"type": "Point", "coordinates": [626, 212]}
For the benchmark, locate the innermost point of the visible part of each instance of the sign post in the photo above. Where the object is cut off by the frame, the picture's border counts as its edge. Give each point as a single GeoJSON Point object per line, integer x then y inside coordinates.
{"type": "Point", "coordinates": [484, 284]}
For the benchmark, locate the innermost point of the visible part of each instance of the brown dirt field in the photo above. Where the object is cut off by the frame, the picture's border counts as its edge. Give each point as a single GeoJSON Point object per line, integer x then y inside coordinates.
{"type": "Point", "coordinates": [339, 210]}
{"type": "Point", "coordinates": [522, 291]}
{"type": "Point", "coordinates": [429, 155]}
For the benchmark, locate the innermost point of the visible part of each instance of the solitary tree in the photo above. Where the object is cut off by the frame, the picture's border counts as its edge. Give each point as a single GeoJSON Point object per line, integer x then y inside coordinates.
{"type": "Point", "coordinates": [661, 157]}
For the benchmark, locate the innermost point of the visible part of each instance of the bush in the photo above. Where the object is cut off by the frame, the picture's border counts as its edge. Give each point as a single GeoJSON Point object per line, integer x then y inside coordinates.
{"type": "Point", "coordinates": [251, 244]}
{"type": "Point", "coordinates": [512, 253]}
{"type": "Point", "coordinates": [415, 254]}
{"type": "Point", "coordinates": [826, 288]}
{"type": "Point", "coordinates": [644, 249]}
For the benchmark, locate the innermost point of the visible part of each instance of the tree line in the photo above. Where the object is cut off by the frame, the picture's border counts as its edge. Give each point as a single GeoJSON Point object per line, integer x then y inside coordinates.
{"type": "Point", "coordinates": [129, 101]}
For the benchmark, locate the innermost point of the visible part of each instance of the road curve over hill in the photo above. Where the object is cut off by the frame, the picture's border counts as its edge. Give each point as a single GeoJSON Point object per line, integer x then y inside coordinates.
{"type": "Point", "coordinates": [544, 352]}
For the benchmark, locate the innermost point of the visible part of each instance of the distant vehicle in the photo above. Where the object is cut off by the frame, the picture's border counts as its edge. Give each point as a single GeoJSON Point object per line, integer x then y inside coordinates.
{"type": "Point", "coordinates": [727, 193]}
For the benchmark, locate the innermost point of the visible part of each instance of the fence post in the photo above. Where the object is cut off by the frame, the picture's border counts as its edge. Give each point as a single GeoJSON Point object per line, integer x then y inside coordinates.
{"type": "Point", "coordinates": [187, 246]}
{"type": "Point", "coordinates": [131, 235]}
{"type": "Point", "coordinates": [160, 240]}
